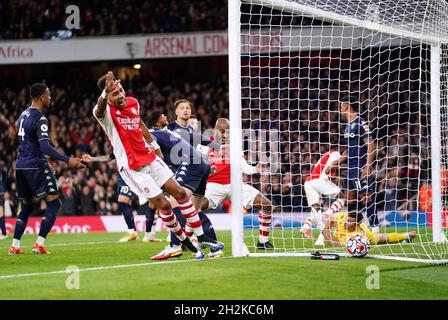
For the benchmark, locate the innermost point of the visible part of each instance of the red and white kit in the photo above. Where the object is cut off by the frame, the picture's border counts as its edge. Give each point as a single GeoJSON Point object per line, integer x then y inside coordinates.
{"type": "Point", "coordinates": [142, 170]}
{"type": "Point", "coordinates": [318, 183]}
{"type": "Point", "coordinates": [219, 188]}
{"type": "Point", "coordinates": [218, 183]}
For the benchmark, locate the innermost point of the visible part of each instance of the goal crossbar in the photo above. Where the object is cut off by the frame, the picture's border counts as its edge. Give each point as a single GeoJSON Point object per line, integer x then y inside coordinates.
{"type": "Point", "coordinates": [335, 18]}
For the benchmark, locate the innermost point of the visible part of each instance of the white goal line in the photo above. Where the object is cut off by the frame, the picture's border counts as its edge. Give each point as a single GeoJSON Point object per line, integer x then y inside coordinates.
{"type": "Point", "coordinates": [69, 244]}
{"type": "Point", "coordinates": [122, 266]}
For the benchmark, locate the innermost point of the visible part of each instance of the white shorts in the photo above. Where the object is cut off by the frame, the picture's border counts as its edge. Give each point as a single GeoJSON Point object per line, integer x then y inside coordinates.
{"type": "Point", "coordinates": [147, 182]}
{"type": "Point", "coordinates": [215, 193]}
{"type": "Point", "coordinates": [317, 187]}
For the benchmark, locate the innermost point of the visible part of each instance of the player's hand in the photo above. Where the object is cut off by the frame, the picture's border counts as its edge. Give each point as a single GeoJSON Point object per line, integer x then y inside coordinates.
{"type": "Point", "coordinates": [87, 158]}
{"type": "Point", "coordinates": [111, 83]}
{"type": "Point", "coordinates": [76, 163]}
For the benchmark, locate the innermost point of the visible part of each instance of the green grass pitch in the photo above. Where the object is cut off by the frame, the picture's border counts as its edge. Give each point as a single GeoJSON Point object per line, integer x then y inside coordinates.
{"type": "Point", "coordinates": [112, 270]}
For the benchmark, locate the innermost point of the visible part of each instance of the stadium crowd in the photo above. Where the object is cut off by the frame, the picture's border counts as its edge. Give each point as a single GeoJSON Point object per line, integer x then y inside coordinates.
{"type": "Point", "coordinates": [31, 19]}
{"type": "Point", "coordinates": [305, 110]}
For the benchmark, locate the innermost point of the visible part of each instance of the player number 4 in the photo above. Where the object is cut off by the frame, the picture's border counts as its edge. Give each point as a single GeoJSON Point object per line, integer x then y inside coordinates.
{"type": "Point", "coordinates": [21, 130]}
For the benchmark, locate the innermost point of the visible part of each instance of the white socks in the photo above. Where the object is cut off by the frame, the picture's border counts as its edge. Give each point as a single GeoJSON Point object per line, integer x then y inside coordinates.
{"type": "Point", "coordinates": [16, 243]}
{"type": "Point", "coordinates": [40, 241]}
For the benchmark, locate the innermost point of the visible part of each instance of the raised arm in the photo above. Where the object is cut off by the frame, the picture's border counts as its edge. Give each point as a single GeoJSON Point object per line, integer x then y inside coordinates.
{"type": "Point", "coordinates": [110, 85]}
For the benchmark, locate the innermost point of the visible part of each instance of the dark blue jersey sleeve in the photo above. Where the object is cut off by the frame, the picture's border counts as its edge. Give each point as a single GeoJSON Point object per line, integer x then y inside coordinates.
{"type": "Point", "coordinates": [50, 151]}
{"type": "Point", "coordinates": [364, 130]}
{"type": "Point", "coordinates": [42, 129]}
{"type": "Point", "coordinates": [164, 138]}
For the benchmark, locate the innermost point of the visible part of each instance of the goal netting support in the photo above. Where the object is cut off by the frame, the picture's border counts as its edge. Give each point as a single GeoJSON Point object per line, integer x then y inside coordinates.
{"type": "Point", "coordinates": [290, 64]}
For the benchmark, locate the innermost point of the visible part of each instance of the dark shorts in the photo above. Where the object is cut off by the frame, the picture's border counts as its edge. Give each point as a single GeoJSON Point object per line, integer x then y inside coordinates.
{"type": "Point", "coordinates": [38, 183]}
{"type": "Point", "coordinates": [124, 190]}
{"type": "Point", "coordinates": [353, 181]}
{"type": "Point", "coordinates": [193, 177]}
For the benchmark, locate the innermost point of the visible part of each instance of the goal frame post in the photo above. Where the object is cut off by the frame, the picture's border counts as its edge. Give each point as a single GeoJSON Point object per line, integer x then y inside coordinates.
{"type": "Point", "coordinates": [236, 149]}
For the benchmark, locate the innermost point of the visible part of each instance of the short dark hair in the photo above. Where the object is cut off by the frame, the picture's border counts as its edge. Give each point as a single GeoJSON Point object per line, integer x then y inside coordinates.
{"type": "Point", "coordinates": [37, 90]}
{"type": "Point", "coordinates": [357, 215]}
{"type": "Point", "coordinates": [352, 100]}
{"type": "Point", "coordinates": [155, 116]}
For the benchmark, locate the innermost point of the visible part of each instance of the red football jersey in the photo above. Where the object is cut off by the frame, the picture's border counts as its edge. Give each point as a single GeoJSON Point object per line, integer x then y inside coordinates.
{"type": "Point", "coordinates": [220, 165]}
{"type": "Point", "coordinates": [319, 167]}
{"type": "Point", "coordinates": [122, 127]}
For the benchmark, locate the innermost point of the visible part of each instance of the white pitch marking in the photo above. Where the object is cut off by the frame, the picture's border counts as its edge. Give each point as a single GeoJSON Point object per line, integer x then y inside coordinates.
{"type": "Point", "coordinates": [22, 275]}
{"type": "Point", "coordinates": [70, 244]}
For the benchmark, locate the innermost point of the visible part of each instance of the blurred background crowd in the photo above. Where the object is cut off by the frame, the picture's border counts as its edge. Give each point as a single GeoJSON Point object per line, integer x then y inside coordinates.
{"type": "Point", "coordinates": [27, 19]}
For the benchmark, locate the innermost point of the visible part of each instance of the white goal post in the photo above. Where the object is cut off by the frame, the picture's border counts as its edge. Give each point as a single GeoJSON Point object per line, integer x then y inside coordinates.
{"type": "Point", "coordinates": [290, 62]}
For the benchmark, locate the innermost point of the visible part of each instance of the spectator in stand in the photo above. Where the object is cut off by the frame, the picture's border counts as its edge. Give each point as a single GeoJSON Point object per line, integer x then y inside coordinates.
{"type": "Point", "coordinates": [102, 209]}
{"type": "Point", "coordinates": [87, 202]}
{"type": "Point", "coordinates": [69, 207]}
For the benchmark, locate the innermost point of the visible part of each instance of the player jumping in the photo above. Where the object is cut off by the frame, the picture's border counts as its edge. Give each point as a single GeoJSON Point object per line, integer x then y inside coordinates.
{"type": "Point", "coordinates": [35, 177]}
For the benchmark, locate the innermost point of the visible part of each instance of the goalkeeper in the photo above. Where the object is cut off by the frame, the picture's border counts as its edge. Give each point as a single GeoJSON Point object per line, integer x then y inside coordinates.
{"type": "Point", "coordinates": [344, 224]}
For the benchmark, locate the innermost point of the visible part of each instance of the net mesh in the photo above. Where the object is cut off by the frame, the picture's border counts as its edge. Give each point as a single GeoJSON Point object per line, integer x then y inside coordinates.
{"type": "Point", "coordinates": [296, 66]}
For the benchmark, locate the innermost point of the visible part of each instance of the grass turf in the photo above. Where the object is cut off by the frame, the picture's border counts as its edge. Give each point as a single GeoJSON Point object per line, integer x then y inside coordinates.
{"type": "Point", "coordinates": [222, 279]}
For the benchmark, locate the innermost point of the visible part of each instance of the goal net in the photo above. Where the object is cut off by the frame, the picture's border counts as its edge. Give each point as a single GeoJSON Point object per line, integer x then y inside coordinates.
{"type": "Point", "coordinates": [296, 61]}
